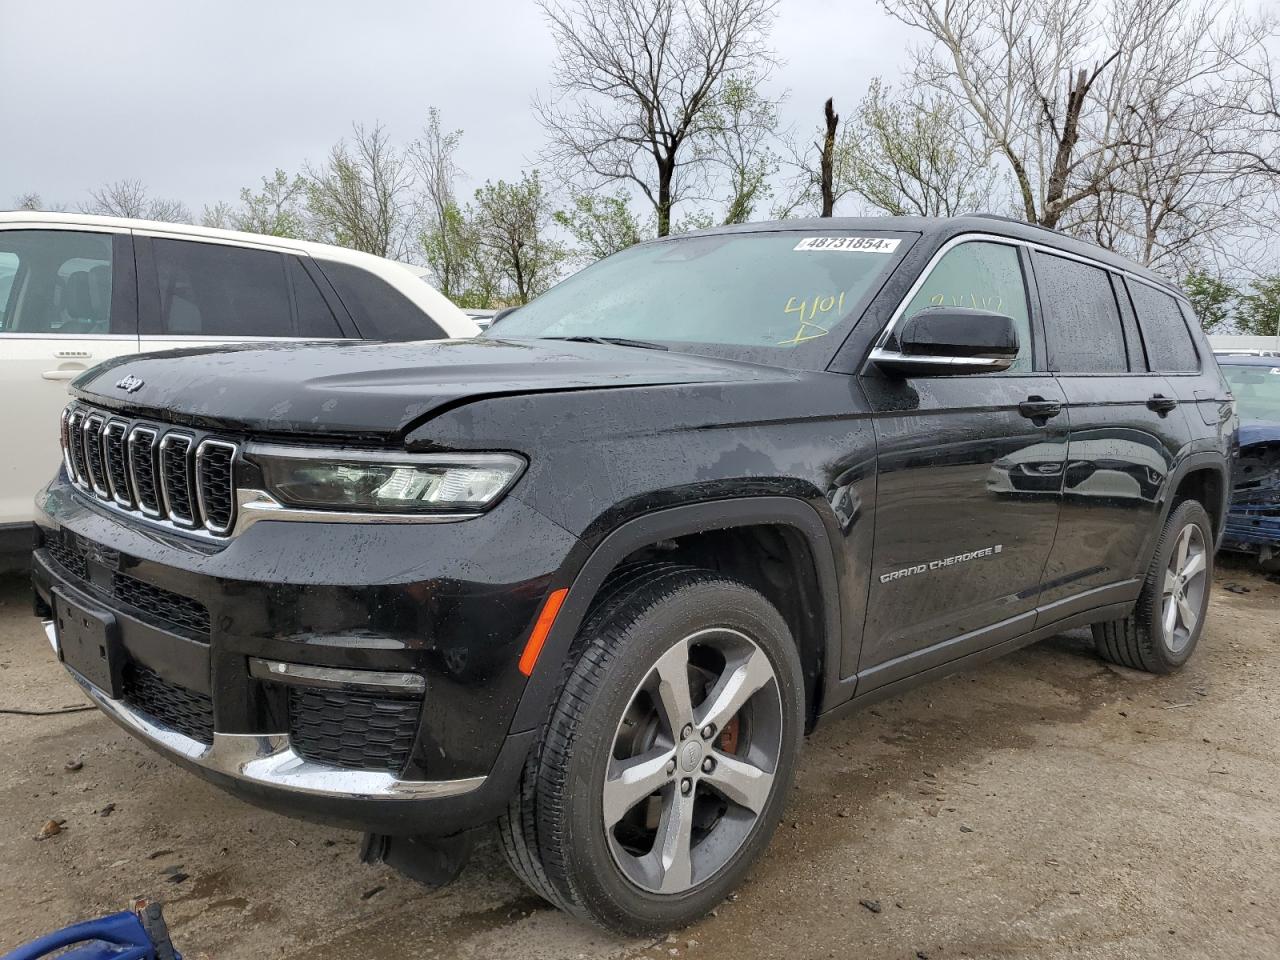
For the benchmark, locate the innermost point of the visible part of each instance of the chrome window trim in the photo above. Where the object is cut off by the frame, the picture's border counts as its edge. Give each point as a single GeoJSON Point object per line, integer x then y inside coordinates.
{"type": "Point", "coordinates": [896, 317]}
{"type": "Point", "coordinates": [127, 500]}
{"type": "Point", "coordinates": [267, 759]}
{"type": "Point", "coordinates": [133, 480]}
{"type": "Point", "coordinates": [220, 530]}
{"type": "Point", "coordinates": [96, 439]}
{"type": "Point", "coordinates": [165, 443]}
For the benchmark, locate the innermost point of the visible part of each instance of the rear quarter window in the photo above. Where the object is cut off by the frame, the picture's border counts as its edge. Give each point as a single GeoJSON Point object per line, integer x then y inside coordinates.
{"type": "Point", "coordinates": [380, 311]}
{"type": "Point", "coordinates": [1170, 346]}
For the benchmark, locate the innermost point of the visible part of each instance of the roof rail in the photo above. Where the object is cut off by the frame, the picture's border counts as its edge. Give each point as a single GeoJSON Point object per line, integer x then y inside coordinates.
{"type": "Point", "coordinates": [1001, 217]}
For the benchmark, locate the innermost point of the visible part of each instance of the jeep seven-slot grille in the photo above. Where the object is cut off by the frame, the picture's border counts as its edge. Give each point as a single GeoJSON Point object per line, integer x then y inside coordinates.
{"type": "Point", "coordinates": [151, 470]}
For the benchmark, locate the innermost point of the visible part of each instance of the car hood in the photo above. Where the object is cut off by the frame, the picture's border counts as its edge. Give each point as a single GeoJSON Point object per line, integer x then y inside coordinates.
{"type": "Point", "coordinates": [1258, 431]}
{"type": "Point", "coordinates": [374, 390]}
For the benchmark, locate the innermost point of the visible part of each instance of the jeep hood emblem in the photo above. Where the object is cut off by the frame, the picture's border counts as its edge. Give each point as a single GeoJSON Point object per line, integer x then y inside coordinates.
{"type": "Point", "coordinates": [130, 384]}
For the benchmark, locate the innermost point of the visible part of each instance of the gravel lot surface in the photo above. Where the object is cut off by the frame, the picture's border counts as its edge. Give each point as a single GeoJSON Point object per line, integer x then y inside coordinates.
{"type": "Point", "coordinates": [1043, 806]}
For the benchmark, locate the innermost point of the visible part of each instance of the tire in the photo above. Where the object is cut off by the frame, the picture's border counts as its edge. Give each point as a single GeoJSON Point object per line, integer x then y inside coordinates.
{"type": "Point", "coordinates": [614, 713]}
{"type": "Point", "coordinates": [1143, 639]}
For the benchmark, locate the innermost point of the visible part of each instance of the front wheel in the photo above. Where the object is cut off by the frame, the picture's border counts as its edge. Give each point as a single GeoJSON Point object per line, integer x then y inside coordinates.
{"type": "Point", "coordinates": [668, 756]}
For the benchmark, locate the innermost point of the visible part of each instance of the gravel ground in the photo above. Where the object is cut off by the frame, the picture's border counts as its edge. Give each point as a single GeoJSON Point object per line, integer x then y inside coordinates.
{"type": "Point", "coordinates": [1044, 806]}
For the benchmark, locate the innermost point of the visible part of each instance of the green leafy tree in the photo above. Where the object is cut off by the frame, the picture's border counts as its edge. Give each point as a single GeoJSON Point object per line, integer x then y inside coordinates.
{"type": "Point", "coordinates": [277, 210]}
{"type": "Point", "coordinates": [446, 238]}
{"type": "Point", "coordinates": [906, 155]}
{"type": "Point", "coordinates": [1211, 297]}
{"type": "Point", "coordinates": [1259, 311]}
{"type": "Point", "coordinates": [511, 221]}
{"type": "Point", "coordinates": [740, 128]}
{"type": "Point", "coordinates": [600, 225]}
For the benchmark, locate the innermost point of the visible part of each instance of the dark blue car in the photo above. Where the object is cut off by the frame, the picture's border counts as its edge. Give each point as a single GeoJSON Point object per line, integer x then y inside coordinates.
{"type": "Point", "coordinates": [1253, 525]}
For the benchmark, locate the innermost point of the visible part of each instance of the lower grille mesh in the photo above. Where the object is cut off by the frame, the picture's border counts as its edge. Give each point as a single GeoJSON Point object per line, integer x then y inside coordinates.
{"type": "Point", "coordinates": [70, 560]}
{"type": "Point", "coordinates": [161, 604]}
{"type": "Point", "coordinates": [176, 707]}
{"type": "Point", "coordinates": [352, 730]}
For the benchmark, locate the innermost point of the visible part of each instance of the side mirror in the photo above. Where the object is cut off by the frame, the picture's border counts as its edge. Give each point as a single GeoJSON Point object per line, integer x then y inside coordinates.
{"type": "Point", "coordinates": [946, 341]}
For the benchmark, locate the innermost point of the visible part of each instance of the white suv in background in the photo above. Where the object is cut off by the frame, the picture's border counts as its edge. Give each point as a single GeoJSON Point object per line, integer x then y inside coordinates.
{"type": "Point", "coordinates": [76, 290]}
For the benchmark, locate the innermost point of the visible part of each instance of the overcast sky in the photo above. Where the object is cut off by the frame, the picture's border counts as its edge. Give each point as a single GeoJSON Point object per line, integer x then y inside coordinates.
{"type": "Point", "coordinates": [200, 99]}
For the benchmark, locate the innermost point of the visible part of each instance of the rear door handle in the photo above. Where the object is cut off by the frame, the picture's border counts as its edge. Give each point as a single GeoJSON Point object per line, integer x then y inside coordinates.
{"type": "Point", "coordinates": [62, 374]}
{"type": "Point", "coordinates": [1162, 404]}
{"type": "Point", "coordinates": [1038, 409]}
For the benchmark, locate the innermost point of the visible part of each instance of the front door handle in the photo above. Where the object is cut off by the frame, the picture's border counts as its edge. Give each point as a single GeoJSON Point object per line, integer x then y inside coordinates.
{"type": "Point", "coordinates": [62, 374]}
{"type": "Point", "coordinates": [1039, 410]}
{"type": "Point", "coordinates": [1162, 404]}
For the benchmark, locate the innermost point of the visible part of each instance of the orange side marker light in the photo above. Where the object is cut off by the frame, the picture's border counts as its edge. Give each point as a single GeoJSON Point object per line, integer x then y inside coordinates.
{"type": "Point", "coordinates": [540, 630]}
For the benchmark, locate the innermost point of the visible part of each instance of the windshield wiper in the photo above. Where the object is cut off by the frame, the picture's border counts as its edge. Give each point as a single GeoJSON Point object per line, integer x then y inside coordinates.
{"type": "Point", "coordinates": [616, 341]}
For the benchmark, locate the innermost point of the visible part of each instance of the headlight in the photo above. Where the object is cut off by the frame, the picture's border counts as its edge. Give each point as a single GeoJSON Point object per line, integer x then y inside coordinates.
{"type": "Point", "coordinates": [386, 483]}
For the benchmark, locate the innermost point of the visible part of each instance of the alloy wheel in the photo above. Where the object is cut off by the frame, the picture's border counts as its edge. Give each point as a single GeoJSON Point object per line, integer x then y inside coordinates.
{"type": "Point", "coordinates": [693, 761]}
{"type": "Point", "coordinates": [1185, 580]}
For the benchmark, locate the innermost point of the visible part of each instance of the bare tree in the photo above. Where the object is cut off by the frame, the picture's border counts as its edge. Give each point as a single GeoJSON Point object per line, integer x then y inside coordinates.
{"type": "Point", "coordinates": [220, 215]}
{"type": "Point", "coordinates": [360, 196]}
{"type": "Point", "coordinates": [636, 83]}
{"type": "Point", "coordinates": [130, 198]}
{"type": "Point", "coordinates": [1185, 189]}
{"type": "Point", "coordinates": [1015, 66]}
{"type": "Point", "coordinates": [826, 165]}
{"type": "Point", "coordinates": [818, 182]}
{"type": "Point", "coordinates": [28, 201]}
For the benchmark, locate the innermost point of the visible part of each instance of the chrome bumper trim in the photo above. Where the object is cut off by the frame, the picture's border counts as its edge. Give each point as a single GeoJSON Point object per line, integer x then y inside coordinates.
{"type": "Point", "coordinates": [267, 759]}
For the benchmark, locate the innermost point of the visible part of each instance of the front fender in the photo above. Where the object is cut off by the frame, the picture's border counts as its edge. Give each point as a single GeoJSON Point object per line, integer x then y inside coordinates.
{"type": "Point", "coordinates": [666, 524]}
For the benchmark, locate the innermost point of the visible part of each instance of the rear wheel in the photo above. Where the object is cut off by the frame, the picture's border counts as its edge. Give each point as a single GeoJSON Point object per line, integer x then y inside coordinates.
{"type": "Point", "coordinates": [667, 758]}
{"type": "Point", "coordinates": [1161, 633]}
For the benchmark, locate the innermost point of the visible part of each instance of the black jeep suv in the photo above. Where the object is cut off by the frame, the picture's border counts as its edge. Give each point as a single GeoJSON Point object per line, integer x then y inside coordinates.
{"type": "Point", "coordinates": [592, 576]}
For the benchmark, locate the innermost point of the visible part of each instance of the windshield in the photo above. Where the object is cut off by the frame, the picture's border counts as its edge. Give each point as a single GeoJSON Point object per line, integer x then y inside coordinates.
{"type": "Point", "coordinates": [784, 297]}
{"type": "Point", "coordinates": [1256, 388]}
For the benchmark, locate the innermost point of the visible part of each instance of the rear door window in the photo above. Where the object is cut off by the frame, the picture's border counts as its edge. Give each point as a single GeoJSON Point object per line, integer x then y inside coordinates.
{"type": "Point", "coordinates": [1082, 326]}
{"type": "Point", "coordinates": [60, 283]}
{"type": "Point", "coordinates": [379, 310]}
{"type": "Point", "coordinates": [1169, 343]}
{"type": "Point", "coordinates": [217, 290]}
{"type": "Point", "coordinates": [982, 276]}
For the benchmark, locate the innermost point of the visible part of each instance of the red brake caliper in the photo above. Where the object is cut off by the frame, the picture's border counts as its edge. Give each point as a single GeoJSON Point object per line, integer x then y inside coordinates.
{"type": "Point", "coordinates": [728, 740]}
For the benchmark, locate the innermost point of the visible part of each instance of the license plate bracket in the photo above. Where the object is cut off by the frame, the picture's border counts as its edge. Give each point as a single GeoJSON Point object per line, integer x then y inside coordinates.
{"type": "Point", "coordinates": [88, 642]}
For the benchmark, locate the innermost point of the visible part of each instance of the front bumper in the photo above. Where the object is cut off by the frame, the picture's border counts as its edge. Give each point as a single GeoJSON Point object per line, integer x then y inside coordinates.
{"type": "Point", "coordinates": [297, 593]}
{"type": "Point", "coordinates": [1253, 527]}
{"type": "Point", "coordinates": [265, 760]}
